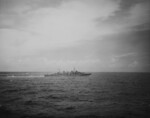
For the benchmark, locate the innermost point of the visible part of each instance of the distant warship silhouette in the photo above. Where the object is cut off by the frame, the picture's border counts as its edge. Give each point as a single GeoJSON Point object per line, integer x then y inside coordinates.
{"type": "Point", "coordinates": [68, 73]}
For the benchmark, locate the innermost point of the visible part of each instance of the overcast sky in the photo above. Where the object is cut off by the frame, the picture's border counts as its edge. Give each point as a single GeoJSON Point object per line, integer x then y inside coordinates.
{"type": "Point", "coordinates": [90, 35]}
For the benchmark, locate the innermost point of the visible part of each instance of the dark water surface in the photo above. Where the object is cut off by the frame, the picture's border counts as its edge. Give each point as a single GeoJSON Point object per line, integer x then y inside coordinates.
{"type": "Point", "coordinates": [101, 95]}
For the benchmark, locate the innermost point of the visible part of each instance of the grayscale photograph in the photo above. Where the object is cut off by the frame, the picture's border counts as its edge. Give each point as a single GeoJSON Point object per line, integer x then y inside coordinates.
{"type": "Point", "coordinates": [74, 58]}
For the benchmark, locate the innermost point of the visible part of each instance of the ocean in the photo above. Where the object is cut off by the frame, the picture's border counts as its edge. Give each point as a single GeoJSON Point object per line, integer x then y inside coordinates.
{"type": "Point", "coordinates": [100, 95]}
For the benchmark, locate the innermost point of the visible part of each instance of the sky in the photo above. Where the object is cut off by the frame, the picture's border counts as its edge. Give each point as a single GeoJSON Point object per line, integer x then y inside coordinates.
{"type": "Point", "coordinates": [89, 35]}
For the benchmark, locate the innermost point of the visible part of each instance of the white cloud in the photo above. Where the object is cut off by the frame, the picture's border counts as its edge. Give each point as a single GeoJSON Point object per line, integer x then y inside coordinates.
{"type": "Point", "coordinates": [67, 25]}
{"type": "Point", "coordinates": [126, 55]}
{"type": "Point", "coordinates": [70, 22]}
{"type": "Point", "coordinates": [52, 28]}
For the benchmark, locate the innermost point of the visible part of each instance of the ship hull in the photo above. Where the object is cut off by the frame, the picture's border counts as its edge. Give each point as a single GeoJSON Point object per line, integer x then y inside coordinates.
{"type": "Point", "coordinates": [79, 74]}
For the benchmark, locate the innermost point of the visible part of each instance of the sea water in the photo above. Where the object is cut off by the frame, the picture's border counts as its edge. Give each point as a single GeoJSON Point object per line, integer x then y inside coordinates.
{"type": "Point", "coordinates": [100, 95]}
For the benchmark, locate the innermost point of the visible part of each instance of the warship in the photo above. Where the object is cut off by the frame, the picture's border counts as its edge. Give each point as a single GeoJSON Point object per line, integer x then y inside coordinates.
{"type": "Point", "coordinates": [68, 73]}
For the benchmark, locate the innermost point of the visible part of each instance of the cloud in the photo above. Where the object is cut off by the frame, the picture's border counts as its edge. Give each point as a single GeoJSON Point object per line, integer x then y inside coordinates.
{"type": "Point", "coordinates": [126, 55]}
{"type": "Point", "coordinates": [20, 12]}
{"type": "Point", "coordinates": [139, 15]}
{"type": "Point", "coordinates": [45, 33]}
{"type": "Point", "coordinates": [128, 18]}
{"type": "Point", "coordinates": [47, 28]}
